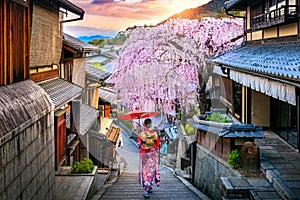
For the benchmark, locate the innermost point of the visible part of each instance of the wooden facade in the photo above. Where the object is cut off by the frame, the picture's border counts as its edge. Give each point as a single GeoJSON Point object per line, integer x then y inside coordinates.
{"type": "Point", "coordinates": [264, 77]}
{"type": "Point", "coordinates": [14, 41]}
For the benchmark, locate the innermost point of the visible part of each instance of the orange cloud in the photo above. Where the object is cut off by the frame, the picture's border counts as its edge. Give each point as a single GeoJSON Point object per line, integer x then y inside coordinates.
{"type": "Point", "coordinates": [121, 14]}
{"type": "Point", "coordinates": [136, 9]}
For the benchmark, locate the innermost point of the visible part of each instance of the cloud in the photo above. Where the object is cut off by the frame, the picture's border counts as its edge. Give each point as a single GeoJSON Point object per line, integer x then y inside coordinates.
{"type": "Point", "coordinates": [135, 9]}
{"type": "Point", "coordinates": [104, 16]}
{"type": "Point", "coordinates": [102, 1]}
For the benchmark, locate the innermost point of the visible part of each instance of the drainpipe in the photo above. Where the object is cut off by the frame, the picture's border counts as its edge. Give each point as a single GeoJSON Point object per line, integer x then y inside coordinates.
{"type": "Point", "coordinates": [72, 20]}
{"type": "Point", "coordinates": [68, 6]}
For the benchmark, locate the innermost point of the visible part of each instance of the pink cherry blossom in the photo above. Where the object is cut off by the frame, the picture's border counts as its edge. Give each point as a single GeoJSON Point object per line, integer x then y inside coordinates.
{"type": "Point", "coordinates": [171, 61]}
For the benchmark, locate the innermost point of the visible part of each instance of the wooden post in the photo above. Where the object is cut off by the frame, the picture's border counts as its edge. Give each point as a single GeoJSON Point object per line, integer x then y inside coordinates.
{"type": "Point", "coordinates": [75, 116]}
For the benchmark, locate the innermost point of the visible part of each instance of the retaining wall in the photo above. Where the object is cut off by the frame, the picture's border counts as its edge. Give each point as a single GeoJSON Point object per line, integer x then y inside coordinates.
{"type": "Point", "coordinates": [209, 169]}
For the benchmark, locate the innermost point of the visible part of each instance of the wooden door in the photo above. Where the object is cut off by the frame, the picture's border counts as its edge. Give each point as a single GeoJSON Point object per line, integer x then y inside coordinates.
{"type": "Point", "coordinates": [14, 41]}
{"type": "Point", "coordinates": [60, 139]}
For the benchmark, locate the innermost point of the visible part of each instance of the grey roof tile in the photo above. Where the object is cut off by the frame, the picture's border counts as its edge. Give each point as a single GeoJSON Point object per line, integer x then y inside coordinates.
{"type": "Point", "coordinates": [78, 44]}
{"type": "Point", "coordinates": [95, 73]}
{"type": "Point", "coordinates": [88, 116]}
{"type": "Point", "coordinates": [273, 59]}
{"type": "Point", "coordinates": [20, 103]}
{"type": "Point", "coordinates": [108, 96]}
{"type": "Point", "coordinates": [60, 90]}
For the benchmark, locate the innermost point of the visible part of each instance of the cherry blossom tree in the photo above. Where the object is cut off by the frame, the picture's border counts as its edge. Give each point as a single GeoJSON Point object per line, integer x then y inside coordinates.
{"type": "Point", "coordinates": [158, 65]}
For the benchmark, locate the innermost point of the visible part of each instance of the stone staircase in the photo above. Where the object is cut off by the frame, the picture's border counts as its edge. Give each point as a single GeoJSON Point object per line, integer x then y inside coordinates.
{"type": "Point", "coordinates": [248, 188]}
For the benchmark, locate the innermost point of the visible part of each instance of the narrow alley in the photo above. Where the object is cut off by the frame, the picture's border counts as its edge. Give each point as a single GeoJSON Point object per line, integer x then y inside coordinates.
{"type": "Point", "coordinates": [127, 185]}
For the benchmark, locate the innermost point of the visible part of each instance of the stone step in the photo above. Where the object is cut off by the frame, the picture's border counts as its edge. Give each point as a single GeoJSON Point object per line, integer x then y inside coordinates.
{"type": "Point", "coordinates": [253, 188]}
{"type": "Point", "coordinates": [264, 195]}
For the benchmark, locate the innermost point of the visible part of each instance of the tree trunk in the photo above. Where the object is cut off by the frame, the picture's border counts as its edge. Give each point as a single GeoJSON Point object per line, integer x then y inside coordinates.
{"type": "Point", "coordinates": [204, 103]}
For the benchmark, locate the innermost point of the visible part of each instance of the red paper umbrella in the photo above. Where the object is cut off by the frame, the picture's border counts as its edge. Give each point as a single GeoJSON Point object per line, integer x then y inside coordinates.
{"type": "Point", "coordinates": [137, 114]}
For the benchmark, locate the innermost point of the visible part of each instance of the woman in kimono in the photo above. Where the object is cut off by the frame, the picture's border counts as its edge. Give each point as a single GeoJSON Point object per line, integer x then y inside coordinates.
{"type": "Point", "coordinates": [148, 141]}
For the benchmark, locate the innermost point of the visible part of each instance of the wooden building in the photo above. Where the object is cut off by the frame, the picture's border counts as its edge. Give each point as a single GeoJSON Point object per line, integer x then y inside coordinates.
{"type": "Point", "coordinates": [73, 59]}
{"type": "Point", "coordinates": [30, 45]}
{"type": "Point", "coordinates": [260, 81]}
{"type": "Point", "coordinates": [95, 80]}
{"type": "Point", "coordinates": [107, 101]}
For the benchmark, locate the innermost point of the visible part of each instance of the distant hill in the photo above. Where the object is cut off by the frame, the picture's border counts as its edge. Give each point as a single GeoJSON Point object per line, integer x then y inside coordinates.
{"type": "Point", "coordinates": [213, 8]}
{"type": "Point", "coordinates": [90, 38]}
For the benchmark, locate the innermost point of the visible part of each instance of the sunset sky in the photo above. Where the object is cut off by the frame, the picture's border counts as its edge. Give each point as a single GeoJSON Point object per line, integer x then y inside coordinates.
{"type": "Point", "coordinates": [108, 17]}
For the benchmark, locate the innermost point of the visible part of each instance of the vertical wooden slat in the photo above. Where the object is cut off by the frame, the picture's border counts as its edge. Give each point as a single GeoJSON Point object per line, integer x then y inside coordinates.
{"type": "Point", "coordinates": [5, 45]}
{"type": "Point", "coordinates": [1, 42]}
{"type": "Point", "coordinates": [10, 45]}
{"type": "Point", "coordinates": [15, 40]}
{"type": "Point", "coordinates": [27, 36]}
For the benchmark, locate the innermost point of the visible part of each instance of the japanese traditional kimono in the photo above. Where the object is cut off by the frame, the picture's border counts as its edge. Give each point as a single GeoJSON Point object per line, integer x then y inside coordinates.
{"type": "Point", "coordinates": [148, 142]}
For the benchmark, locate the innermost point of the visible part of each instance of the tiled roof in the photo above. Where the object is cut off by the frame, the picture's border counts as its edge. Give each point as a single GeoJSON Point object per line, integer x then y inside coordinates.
{"type": "Point", "coordinates": [108, 96]}
{"type": "Point", "coordinates": [60, 90]}
{"type": "Point", "coordinates": [233, 131]}
{"type": "Point", "coordinates": [78, 44]}
{"type": "Point", "coordinates": [98, 59]}
{"type": "Point", "coordinates": [88, 116]}
{"type": "Point", "coordinates": [229, 4]}
{"type": "Point", "coordinates": [21, 103]}
{"type": "Point", "coordinates": [95, 73]}
{"type": "Point", "coordinates": [113, 134]}
{"type": "Point", "coordinates": [281, 60]}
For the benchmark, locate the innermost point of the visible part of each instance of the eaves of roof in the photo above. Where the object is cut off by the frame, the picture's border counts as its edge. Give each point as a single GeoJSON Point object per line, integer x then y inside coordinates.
{"type": "Point", "coordinates": [71, 7]}
{"type": "Point", "coordinates": [95, 73]}
{"type": "Point", "coordinates": [21, 104]}
{"type": "Point", "coordinates": [233, 4]}
{"type": "Point", "coordinates": [233, 131]}
{"type": "Point", "coordinates": [108, 96]}
{"type": "Point", "coordinates": [275, 60]}
{"type": "Point", "coordinates": [78, 45]}
{"type": "Point", "coordinates": [61, 91]}
{"type": "Point", "coordinates": [88, 116]}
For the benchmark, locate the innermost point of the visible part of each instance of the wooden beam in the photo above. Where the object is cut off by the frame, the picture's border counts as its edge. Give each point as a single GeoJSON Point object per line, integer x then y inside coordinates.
{"type": "Point", "coordinates": [40, 76]}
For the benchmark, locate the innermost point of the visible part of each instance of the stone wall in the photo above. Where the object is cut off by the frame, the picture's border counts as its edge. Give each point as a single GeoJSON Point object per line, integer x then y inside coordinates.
{"type": "Point", "coordinates": [209, 169]}
{"type": "Point", "coordinates": [26, 142]}
{"type": "Point", "coordinates": [46, 35]}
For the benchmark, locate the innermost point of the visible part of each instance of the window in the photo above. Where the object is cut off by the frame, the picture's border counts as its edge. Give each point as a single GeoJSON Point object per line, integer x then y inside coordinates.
{"type": "Point", "coordinates": [237, 98]}
{"type": "Point", "coordinates": [284, 121]}
{"type": "Point", "coordinates": [273, 12]}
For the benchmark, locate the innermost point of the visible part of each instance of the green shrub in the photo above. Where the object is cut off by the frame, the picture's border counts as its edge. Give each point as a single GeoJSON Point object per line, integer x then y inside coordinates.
{"type": "Point", "coordinates": [189, 129]}
{"type": "Point", "coordinates": [217, 117]}
{"type": "Point", "coordinates": [234, 159]}
{"type": "Point", "coordinates": [84, 166]}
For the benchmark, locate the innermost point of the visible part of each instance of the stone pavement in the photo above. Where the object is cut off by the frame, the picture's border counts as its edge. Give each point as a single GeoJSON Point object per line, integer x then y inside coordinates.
{"type": "Point", "coordinates": [126, 185]}
{"type": "Point", "coordinates": [280, 166]}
